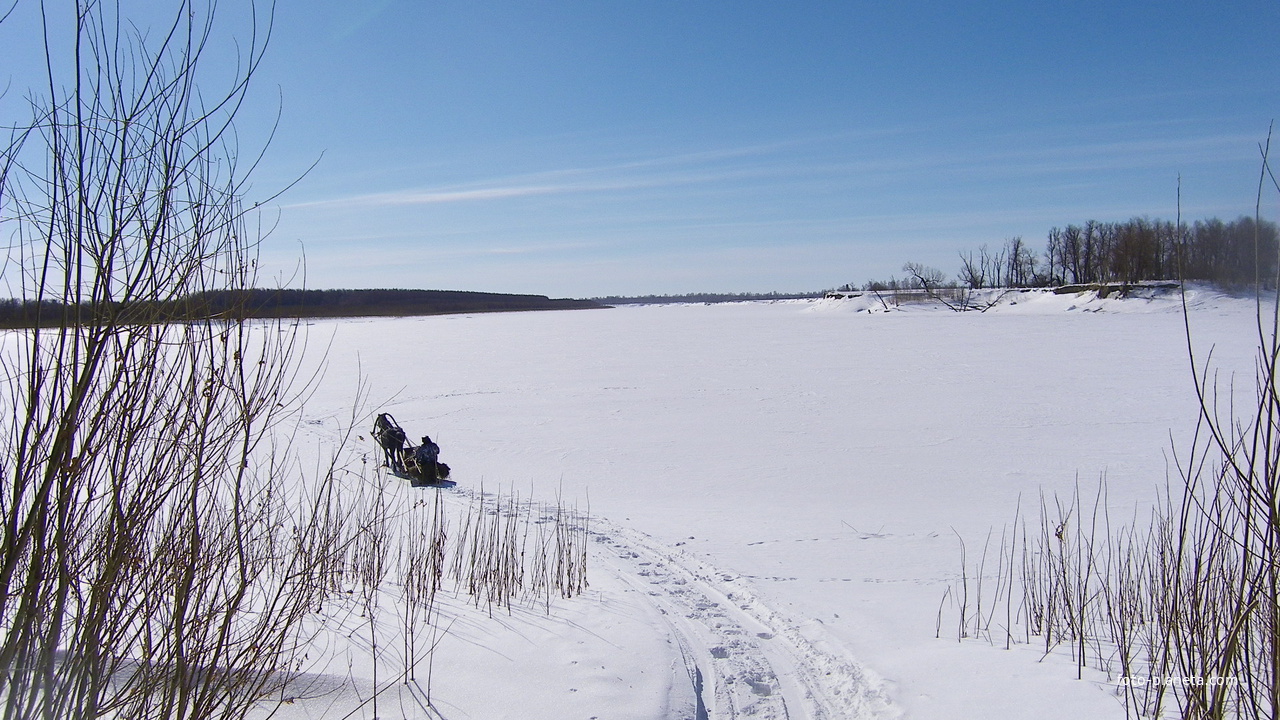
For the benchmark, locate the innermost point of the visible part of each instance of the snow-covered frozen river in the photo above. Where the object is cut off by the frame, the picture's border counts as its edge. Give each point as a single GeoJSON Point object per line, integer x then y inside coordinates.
{"type": "Point", "coordinates": [809, 464]}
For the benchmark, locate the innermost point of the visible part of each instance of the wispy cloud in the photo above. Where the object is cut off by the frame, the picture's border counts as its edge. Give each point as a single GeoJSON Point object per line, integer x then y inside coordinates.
{"type": "Point", "coordinates": [432, 196]}
{"type": "Point", "coordinates": [701, 167]}
{"type": "Point", "coordinates": [848, 160]}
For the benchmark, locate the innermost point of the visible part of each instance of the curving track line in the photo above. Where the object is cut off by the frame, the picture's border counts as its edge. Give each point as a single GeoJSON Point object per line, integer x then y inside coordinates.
{"type": "Point", "coordinates": [743, 658]}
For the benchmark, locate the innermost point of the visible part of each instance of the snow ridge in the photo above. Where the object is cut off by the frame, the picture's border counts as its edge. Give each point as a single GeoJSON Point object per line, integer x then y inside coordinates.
{"type": "Point", "coordinates": [743, 657]}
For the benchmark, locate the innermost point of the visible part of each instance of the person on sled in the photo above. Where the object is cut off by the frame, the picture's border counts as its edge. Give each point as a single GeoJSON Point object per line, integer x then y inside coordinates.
{"type": "Point", "coordinates": [426, 456]}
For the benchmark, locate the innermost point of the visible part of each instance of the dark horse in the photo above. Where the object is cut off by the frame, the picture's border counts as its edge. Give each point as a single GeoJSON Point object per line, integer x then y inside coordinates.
{"type": "Point", "coordinates": [390, 437]}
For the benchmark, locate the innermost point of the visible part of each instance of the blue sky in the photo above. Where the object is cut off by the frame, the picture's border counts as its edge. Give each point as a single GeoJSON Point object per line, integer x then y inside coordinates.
{"type": "Point", "coordinates": [591, 148]}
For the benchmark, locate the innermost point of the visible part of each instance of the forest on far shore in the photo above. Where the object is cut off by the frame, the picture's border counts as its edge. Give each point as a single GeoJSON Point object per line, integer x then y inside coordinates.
{"type": "Point", "coordinates": [259, 303]}
{"type": "Point", "coordinates": [1231, 254]}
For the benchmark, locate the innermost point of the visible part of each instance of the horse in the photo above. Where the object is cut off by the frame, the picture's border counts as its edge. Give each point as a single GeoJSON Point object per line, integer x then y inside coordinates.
{"type": "Point", "coordinates": [390, 437]}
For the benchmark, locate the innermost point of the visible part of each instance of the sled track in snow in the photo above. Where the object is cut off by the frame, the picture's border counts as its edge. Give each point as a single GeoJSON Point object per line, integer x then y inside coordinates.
{"type": "Point", "coordinates": [744, 659]}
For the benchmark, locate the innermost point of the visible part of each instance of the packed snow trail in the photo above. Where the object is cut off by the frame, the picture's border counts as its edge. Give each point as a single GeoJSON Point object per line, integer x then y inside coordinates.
{"type": "Point", "coordinates": [743, 658]}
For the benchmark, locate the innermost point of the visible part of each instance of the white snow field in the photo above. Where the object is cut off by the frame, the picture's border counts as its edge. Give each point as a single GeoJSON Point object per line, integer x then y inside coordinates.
{"type": "Point", "coordinates": [776, 493]}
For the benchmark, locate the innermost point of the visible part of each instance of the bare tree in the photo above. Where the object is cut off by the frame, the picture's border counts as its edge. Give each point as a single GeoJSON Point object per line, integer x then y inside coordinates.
{"type": "Point", "coordinates": [155, 561]}
{"type": "Point", "coordinates": [1053, 258]}
{"type": "Point", "coordinates": [934, 282]}
{"type": "Point", "coordinates": [973, 273]}
{"type": "Point", "coordinates": [925, 277]}
{"type": "Point", "coordinates": [1020, 262]}
{"type": "Point", "coordinates": [992, 266]}
{"type": "Point", "coordinates": [1071, 249]}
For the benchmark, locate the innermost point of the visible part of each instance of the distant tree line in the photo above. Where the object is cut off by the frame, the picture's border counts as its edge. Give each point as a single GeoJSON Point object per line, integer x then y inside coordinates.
{"type": "Point", "coordinates": [701, 298]}
{"type": "Point", "coordinates": [1231, 253]}
{"type": "Point", "coordinates": [260, 303]}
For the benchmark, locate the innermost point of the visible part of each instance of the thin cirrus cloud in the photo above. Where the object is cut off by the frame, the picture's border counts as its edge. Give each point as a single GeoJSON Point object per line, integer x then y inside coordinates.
{"type": "Point", "coordinates": [483, 192]}
{"type": "Point", "coordinates": [859, 161]}
{"type": "Point", "coordinates": [664, 170]}
{"type": "Point", "coordinates": [432, 197]}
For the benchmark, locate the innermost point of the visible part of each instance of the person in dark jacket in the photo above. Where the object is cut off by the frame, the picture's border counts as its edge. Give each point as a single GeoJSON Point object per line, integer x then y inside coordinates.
{"type": "Point", "coordinates": [427, 455]}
